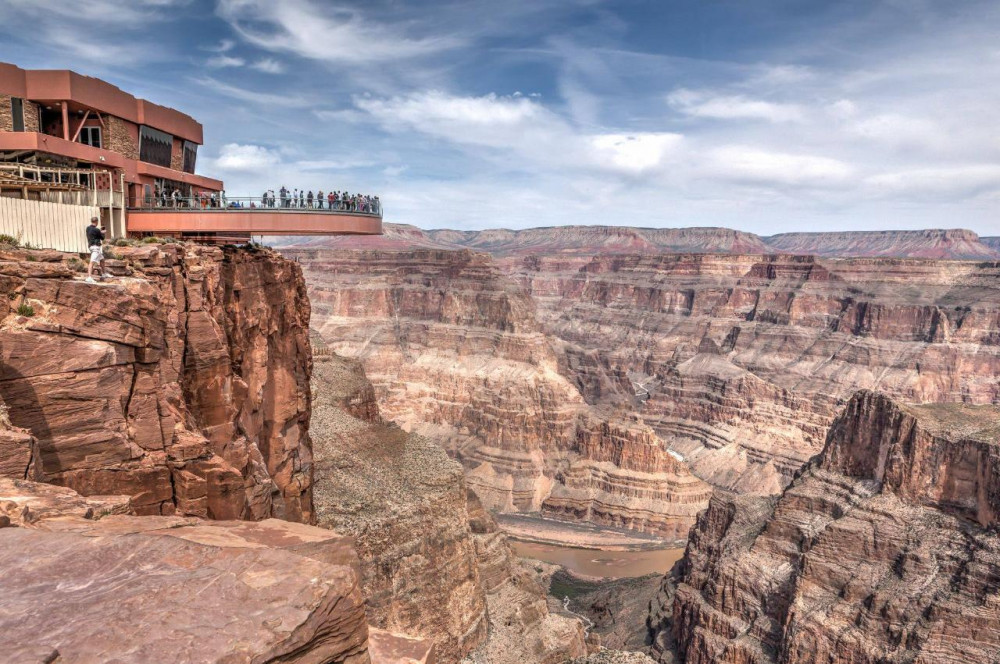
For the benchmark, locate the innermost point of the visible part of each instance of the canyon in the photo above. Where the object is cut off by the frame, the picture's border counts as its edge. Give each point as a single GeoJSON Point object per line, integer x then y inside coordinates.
{"type": "Point", "coordinates": [736, 363]}
{"type": "Point", "coordinates": [169, 432]}
{"type": "Point", "coordinates": [302, 453]}
{"type": "Point", "coordinates": [884, 549]}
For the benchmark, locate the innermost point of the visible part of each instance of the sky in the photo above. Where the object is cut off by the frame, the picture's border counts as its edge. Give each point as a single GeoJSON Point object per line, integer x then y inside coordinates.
{"type": "Point", "coordinates": [767, 116]}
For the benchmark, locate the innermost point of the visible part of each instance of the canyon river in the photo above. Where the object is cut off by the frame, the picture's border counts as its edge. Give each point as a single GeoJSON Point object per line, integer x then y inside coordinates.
{"type": "Point", "coordinates": [604, 564]}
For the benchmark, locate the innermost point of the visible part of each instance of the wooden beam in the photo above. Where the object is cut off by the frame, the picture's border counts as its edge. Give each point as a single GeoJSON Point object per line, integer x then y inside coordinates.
{"type": "Point", "coordinates": [65, 117]}
{"type": "Point", "coordinates": [80, 127]}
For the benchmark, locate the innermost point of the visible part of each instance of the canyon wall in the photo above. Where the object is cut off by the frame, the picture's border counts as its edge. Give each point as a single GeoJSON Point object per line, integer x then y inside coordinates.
{"type": "Point", "coordinates": [183, 383]}
{"type": "Point", "coordinates": [937, 243]}
{"type": "Point", "coordinates": [455, 352]}
{"type": "Point", "coordinates": [741, 362]}
{"type": "Point", "coordinates": [883, 550]}
{"type": "Point", "coordinates": [738, 363]}
{"type": "Point", "coordinates": [433, 563]}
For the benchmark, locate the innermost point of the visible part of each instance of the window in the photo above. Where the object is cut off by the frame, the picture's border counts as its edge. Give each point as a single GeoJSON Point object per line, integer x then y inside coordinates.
{"type": "Point", "coordinates": [190, 156]}
{"type": "Point", "coordinates": [91, 136]}
{"type": "Point", "coordinates": [17, 113]}
{"type": "Point", "coordinates": [155, 146]}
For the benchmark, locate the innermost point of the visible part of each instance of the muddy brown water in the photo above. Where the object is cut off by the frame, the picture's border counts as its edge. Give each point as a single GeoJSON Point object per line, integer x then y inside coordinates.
{"type": "Point", "coordinates": [605, 564]}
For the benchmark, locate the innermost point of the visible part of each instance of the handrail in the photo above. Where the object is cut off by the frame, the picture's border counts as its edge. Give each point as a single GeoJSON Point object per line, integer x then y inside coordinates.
{"type": "Point", "coordinates": [253, 204]}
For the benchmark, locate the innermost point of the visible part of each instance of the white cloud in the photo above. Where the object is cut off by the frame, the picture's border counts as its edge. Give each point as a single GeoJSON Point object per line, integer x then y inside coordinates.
{"type": "Point", "coordinates": [636, 152]}
{"type": "Point", "coordinates": [332, 32]}
{"type": "Point", "coordinates": [754, 166]}
{"type": "Point", "coordinates": [237, 157]}
{"type": "Point", "coordinates": [951, 182]}
{"type": "Point", "coordinates": [268, 66]}
{"type": "Point", "coordinates": [223, 61]}
{"type": "Point", "coordinates": [224, 46]}
{"type": "Point", "coordinates": [731, 107]}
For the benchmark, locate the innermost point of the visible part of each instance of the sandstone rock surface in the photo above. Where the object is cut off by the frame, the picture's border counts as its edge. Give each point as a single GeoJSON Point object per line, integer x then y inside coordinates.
{"type": "Point", "coordinates": [884, 550]}
{"type": "Point", "coordinates": [81, 585]}
{"type": "Point", "coordinates": [434, 564]}
{"type": "Point", "coordinates": [183, 384]}
{"type": "Point", "coordinates": [404, 500]}
{"type": "Point", "coordinates": [456, 354]}
{"type": "Point", "coordinates": [538, 369]}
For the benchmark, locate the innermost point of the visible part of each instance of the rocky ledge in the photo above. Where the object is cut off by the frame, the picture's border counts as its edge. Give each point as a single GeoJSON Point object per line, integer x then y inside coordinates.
{"type": "Point", "coordinates": [170, 588]}
{"type": "Point", "coordinates": [883, 550]}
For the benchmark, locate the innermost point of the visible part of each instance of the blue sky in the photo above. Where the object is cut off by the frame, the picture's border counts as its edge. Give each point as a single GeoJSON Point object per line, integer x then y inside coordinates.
{"type": "Point", "coordinates": [767, 116]}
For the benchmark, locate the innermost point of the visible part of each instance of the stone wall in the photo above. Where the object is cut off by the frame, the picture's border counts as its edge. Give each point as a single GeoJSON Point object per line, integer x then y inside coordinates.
{"type": "Point", "coordinates": [7, 119]}
{"type": "Point", "coordinates": [121, 136]}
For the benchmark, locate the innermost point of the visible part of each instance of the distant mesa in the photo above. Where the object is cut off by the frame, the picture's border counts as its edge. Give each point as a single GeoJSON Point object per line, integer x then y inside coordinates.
{"type": "Point", "coordinates": [941, 244]}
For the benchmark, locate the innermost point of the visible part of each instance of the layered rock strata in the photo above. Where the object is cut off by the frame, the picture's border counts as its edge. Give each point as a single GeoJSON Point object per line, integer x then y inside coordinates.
{"type": "Point", "coordinates": [883, 550]}
{"type": "Point", "coordinates": [434, 564]}
{"type": "Point", "coordinates": [404, 501]}
{"type": "Point", "coordinates": [455, 352]}
{"type": "Point", "coordinates": [741, 362]}
{"type": "Point", "coordinates": [182, 383]}
{"type": "Point", "coordinates": [936, 243]}
{"type": "Point", "coordinates": [85, 582]}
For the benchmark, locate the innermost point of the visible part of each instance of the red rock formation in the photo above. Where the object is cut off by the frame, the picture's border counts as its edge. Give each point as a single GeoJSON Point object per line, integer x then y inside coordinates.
{"type": "Point", "coordinates": [946, 244]}
{"type": "Point", "coordinates": [884, 550]}
{"type": "Point", "coordinates": [455, 353]}
{"type": "Point", "coordinates": [954, 243]}
{"type": "Point", "coordinates": [85, 583]}
{"type": "Point", "coordinates": [432, 559]}
{"type": "Point", "coordinates": [183, 383]}
{"type": "Point", "coordinates": [742, 361]}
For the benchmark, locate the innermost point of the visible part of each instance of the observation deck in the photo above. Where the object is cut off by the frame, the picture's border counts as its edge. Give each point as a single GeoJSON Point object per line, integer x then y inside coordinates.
{"type": "Point", "coordinates": [234, 218]}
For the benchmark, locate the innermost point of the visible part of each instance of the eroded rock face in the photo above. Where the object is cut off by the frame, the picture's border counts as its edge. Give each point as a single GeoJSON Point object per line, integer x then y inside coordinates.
{"type": "Point", "coordinates": [456, 354]}
{"type": "Point", "coordinates": [743, 361]}
{"type": "Point", "coordinates": [86, 582]}
{"type": "Point", "coordinates": [435, 566]}
{"type": "Point", "coordinates": [404, 500]}
{"type": "Point", "coordinates": [882, 551]}
{"type": "Point", "coordinates": [182, 383]}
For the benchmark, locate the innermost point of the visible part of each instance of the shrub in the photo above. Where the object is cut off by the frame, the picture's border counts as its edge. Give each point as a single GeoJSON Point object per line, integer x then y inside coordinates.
{"type": "Point", "coordinates": [123, 242]}
{"type": "Point", "coordinates": [110, 255]}
{"type": "Point", "coordinates": [152, 239]}
{"type": "Point", "coordinates": [25, 310]}
{"type": "Point", "coordinates": [28, 245]}
{"type": "Point", "coordinates": [9, 240]}
{"type": "Point", "coordinates": [76, 264]}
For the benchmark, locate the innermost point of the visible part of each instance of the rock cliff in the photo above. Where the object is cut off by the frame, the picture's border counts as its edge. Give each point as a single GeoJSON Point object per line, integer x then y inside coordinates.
{"type": "Point", "coordinates": [434, 564]}
{"type": "Point", "coordinates": [883, 550]}
{"type": "Point", "coordinates": [545, 373]}
{"type": "Point", "coordinates": [183, 383]}
{"type": "Point", "coordinates": [455, 352]}
{"type": "Point", "coordinates": [741, 362]}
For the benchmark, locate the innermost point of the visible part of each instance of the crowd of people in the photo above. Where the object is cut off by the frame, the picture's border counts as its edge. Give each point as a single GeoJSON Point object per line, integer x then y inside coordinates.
{"type": "Point", "coordinates": [334, 200]}
{"type": "Point", "coordinates": [295, 198]}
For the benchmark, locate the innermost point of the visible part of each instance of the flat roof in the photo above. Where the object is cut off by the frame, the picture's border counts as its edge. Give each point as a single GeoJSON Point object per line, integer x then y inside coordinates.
{"type": "Point", "coordinates": [54, 85]}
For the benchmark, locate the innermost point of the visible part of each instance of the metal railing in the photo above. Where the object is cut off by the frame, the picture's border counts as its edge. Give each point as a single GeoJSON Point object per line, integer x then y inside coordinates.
{"type": "Point", "coordinates": [354, 205]}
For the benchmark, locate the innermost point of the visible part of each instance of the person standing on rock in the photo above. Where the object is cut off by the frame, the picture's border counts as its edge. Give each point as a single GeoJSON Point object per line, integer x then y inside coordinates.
{"type": "Point", "coordinates": [95, 241]}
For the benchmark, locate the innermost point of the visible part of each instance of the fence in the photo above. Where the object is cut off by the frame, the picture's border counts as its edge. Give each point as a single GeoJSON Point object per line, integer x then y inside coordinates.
{"type": "Point", "coordinates": [371, 206]}
{"type": "Point", "coordinates": [46, 225]}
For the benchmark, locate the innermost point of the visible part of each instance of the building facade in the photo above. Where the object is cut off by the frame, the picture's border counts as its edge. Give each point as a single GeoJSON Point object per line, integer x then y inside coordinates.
{"type": "Point", "coordinates": [69, 138]}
